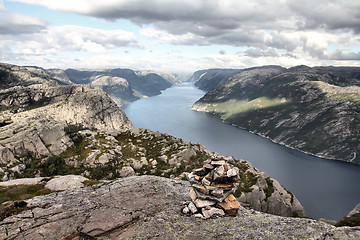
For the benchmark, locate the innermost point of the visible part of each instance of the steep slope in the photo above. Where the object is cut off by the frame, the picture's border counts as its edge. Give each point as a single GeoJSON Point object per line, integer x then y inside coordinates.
{"type": "Point", "coordinates": [316, 110]}
{"type": "Point", "coordinates": [208, 79]}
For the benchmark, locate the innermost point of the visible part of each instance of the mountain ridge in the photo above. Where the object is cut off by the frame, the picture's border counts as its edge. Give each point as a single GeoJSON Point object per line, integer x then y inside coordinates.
{"type": "Point", "coordinates": [293, 106]}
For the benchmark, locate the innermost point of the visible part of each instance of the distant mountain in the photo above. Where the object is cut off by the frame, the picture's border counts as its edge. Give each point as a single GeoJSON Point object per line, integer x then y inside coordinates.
{"type": "Point", "coordinates": [210, 78]}
{"type": "Point", "coordinates": [315, 110]}
{"type": "Point", "coordinates": [124, 85]}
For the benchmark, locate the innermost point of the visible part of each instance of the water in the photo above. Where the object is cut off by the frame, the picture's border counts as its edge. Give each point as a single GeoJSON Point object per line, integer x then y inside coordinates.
{"type": "Point", "coordinates": [327, 189]}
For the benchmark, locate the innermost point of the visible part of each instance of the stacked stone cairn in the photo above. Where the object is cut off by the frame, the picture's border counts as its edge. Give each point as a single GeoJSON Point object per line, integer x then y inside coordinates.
{"type": "Point", "coordinates": [212, 190]}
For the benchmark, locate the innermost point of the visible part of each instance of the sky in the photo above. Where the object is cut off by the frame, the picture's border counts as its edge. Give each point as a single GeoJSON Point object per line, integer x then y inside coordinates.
{"type": "Point", "coordinates": [179, 35]}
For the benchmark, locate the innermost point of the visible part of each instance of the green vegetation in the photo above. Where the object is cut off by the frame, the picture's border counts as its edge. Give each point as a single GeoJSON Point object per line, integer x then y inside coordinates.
{"type": "Point", "coordinates": [15, 194]}
{"type": "Point", "coordinates": [352, 221]}
{"type": "Point", "coordinates": [352, 97]}
{"type": "Point", "coordinates": [21, 192]}
{"type": "Point", "coordinates": [351, 93]}
{"type": "Point", "coordinates": [233, 107]}
{"type": "Point", "coordinates": [12, 209]}
{"type": "Point", "coordinates": [247, 180]}
{"type": "Point", "coordinates": [91, 182]}
{"type": "Point", "coordinates": [270, 188]}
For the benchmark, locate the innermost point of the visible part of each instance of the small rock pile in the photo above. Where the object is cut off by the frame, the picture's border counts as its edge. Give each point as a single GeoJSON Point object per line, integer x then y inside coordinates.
{"type": "Point", "coordinates": [212, 190]}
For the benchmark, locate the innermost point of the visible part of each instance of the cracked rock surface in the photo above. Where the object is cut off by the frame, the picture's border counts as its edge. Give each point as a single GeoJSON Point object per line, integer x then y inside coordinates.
{"type": "Point", "coordinates": [143, 207]}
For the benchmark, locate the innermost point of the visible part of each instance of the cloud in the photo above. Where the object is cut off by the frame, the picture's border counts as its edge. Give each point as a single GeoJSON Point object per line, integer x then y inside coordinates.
{"type": "Point", "coordinates": [15, 24]}
{"type": "Point", "coordinates": [220, 15]}
{"type": "Point", "coordinates": [257, 52]}
{"type": "Point", "coordinates": [340, 55]}
{"type": "Point", "coordinates": [222, 52]}
{"type": "Point", "coordinates": [325, 14]}
{"type": "Point", "coordinates": [283, 31]}
{"type": "Point", "coordinates": [74, 39]}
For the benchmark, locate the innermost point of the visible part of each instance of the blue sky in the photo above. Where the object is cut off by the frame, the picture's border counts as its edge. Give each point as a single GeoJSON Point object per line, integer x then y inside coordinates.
{"type": "Point", "coordinates": [179, 35]}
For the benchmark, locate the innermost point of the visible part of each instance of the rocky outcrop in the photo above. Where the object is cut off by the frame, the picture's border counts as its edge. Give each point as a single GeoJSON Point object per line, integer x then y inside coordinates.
{"type": "Point", "coordinates": [12, 75]}
{"type": "Point", "coordinates": [38, 116]}
{"type": "Point", "coordinates": [315, 110]}
{"type": "Point", "coordinates": [67, 182]}
{"type": "Point", "coordinates": [143, 207]}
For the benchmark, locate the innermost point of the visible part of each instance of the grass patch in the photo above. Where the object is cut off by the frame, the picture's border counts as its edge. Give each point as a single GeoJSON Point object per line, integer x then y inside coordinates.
{"type": "Point", "coordinates": [12, 209]}
{"type": "Point", "coordinates": [16, 195]}
{"type": "Point", "coordinates": [352, 221]}
{"type": "Point", "coordinates": [91, 182]}
{"type": "Point", "coordinates": [233, 107]}
{"type": "Point", "coordinates": [22, 192]}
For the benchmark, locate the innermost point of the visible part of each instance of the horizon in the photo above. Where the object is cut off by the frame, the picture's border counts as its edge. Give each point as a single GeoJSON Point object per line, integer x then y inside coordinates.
{"type": "Point", "coordinates": [160, 35]}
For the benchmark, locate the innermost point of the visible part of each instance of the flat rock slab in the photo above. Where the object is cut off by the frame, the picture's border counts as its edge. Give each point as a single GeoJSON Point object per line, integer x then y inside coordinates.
{"type": "Point", "coordinates": [22, 181]}
{"type": "Point", "coordinates": [143, 207]}
{"type": "Point", "coordinates": [65, 182]}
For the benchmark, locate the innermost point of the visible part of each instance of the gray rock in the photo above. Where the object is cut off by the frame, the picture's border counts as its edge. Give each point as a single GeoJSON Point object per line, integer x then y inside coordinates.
{"type": "Point", "coordinates": [127, 171]}
{"type": "Point", "coordinates": [341, 233]}
{"type": "Point", "coordinates": [355, 210]}
{"type": "Point", "coordinates": [200, 203]}
{"type": "Point", "coordinates": [145, 207]}
{"type": "Point", "coordinates": [281, 202]}
{"type": "Point", "coordinates": [22, 181]}
{"type": "Point", "coordinates": [192, 208]}
{"type": "Point", "coordinates": [212, 212]}
{"type": "Point", "coordinates": [67, 182]}
{"type": "Point", "coordinates": [105, 158]}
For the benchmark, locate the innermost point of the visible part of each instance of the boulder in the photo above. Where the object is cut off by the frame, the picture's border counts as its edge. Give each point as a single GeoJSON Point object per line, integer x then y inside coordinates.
{"type": "Point", "coordinates": [67, 182]}
{"type": "Point", "coordinates": [127, 171]}
{"type": "Point", "coordinates": [22, 181]}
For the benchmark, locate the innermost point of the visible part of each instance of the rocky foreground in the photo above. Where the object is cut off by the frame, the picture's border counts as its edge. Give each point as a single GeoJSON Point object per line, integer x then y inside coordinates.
{"type": "Point", "coordinates": [144, 207]}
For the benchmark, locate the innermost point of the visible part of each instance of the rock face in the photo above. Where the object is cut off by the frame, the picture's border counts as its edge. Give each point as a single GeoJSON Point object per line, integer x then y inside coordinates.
{"type": "Point", "coordinates": [38, 115]}
{"type": "Point", "coordinates": [315, 110]}
{"type": "Point", "coordinates": [144, 207]}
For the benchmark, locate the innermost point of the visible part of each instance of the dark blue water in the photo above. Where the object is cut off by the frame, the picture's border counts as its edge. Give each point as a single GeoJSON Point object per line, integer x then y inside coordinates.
{"type": "Point", "coordinates": [327, 189]}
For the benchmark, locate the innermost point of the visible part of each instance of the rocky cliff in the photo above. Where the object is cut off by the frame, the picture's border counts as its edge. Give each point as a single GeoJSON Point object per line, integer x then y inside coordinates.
{"type": "Point", "coordinates": [315, 110]}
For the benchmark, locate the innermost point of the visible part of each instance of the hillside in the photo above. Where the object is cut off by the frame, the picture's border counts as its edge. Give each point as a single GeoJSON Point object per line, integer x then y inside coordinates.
{"type": "Point", "coordinates": [208, 79]}
{"type": "Point", "coordinates": [315, 110]}
{"type": "Point", "coordinates": [124, 85]}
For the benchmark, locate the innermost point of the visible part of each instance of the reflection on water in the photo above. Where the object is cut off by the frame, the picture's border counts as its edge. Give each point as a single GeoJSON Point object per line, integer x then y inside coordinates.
{"type": "Point", "coordinates": [327, 189]}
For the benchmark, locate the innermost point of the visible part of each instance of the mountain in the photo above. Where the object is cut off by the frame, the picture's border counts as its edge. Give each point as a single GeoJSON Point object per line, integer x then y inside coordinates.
{"type": "Point", "coordinates": [208, 79]}
{"type": "Point", "coordinates": [124, 85]}
{"type": "Point", "coordinates": [315, 110]}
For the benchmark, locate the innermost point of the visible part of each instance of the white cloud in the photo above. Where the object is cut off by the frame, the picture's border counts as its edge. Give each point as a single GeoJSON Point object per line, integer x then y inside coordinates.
{"type": "Point", "coordinates": [73, 39]}
{"type": "Point", "coordinates": [283, 31]}
{"type": "Point", "coordinates": [15, 24]}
